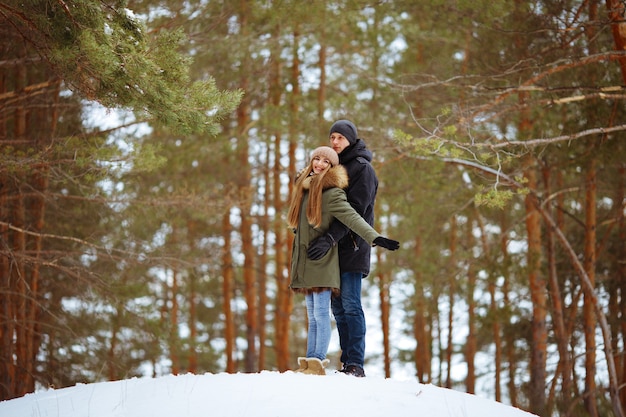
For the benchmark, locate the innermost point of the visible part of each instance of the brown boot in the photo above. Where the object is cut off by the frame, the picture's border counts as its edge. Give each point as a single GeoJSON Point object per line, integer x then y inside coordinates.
{"type": "Point", "coordinates": [303, 364]}
{"type": "Point", "coordinates": [316, 366]}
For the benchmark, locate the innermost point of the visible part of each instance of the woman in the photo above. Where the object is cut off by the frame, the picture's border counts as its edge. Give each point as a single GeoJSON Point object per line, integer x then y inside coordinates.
{"type": "Point", "coordinates": [318, 197]}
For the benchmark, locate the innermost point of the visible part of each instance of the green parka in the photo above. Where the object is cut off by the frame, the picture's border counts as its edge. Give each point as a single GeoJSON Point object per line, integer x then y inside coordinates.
{"type": "Point", "coordinates": [315, 275]}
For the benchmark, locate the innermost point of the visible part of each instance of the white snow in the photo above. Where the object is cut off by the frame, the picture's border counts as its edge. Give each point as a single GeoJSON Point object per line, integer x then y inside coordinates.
{"type": "Point", "coordinates": [265, 394]}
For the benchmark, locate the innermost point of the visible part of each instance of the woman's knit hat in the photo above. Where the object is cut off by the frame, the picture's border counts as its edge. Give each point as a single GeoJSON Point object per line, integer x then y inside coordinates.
{"type": "Point", "coordinates": [326, 152]}
{"type": "Point", "coordinates": [346, 128]}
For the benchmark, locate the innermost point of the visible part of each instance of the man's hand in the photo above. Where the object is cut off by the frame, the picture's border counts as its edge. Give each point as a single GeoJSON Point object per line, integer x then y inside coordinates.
{"type": "Point", "coordinates": [320, 246]}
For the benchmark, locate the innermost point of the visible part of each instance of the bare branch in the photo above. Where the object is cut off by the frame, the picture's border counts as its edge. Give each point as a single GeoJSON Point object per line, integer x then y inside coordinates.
{"type": "Point", "coordinates": [556, 139]}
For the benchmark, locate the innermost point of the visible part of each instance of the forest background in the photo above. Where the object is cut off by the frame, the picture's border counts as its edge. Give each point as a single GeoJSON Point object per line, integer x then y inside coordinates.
{"type": "Point", "coordinates": [158, 244]}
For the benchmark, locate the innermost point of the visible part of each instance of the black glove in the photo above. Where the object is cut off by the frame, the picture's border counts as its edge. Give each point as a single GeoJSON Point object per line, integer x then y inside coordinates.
{"type": "Point", "coordinates": [318, 247]}
{"type": "Point", "coordinates": [383, 242]}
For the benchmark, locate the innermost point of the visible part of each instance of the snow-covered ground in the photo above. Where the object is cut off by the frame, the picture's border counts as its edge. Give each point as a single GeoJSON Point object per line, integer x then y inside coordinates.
{"type": "Point", "coordinates": [265, 394]}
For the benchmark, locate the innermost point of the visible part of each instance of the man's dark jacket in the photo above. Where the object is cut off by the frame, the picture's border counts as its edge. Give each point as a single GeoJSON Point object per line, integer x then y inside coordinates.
{"type": "Point", "coordinates": [354, 252]}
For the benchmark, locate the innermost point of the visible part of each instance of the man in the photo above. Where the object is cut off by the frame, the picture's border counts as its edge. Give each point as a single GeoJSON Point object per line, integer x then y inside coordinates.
{"type": "Point", "coordinates": [354, 252]}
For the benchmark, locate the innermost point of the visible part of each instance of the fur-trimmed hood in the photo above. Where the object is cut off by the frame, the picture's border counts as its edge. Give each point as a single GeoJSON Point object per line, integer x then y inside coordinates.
{"type": "Point", "coordinates": [336, 176]}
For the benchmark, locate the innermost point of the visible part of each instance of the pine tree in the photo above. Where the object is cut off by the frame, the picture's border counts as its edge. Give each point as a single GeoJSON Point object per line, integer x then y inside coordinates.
{"type": "Point", "coordinates": [53, 169]}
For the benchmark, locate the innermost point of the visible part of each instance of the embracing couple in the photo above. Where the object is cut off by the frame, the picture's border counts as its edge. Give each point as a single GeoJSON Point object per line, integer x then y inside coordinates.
{"type": "Point", "coordinates": [332, 212]}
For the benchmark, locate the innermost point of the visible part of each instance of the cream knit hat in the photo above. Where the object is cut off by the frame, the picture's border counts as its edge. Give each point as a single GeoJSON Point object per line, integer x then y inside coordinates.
{"type": "Point", "coordinates": [328, 153]}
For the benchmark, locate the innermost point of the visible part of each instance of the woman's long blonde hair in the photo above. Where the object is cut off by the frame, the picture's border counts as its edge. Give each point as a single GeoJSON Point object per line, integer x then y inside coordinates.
{"type": "Point", "coordinates": [314, 206]}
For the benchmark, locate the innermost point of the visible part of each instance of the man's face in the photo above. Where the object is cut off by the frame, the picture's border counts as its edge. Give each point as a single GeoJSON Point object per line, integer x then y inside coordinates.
{"type": "Point", "coordinates": [338, 142]}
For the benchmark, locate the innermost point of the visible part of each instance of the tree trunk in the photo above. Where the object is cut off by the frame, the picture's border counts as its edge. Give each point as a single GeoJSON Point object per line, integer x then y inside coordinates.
{"type": "Point", "coordinates": [19, 275]}
{"type": "Point", "coordinates": [470, 347]}
{"type": "Point", "coordinates": [557, 308]}
{"type": "Point", "coordinates": [497, 340]}
{"type": "Point", "coordinates": [493, 306]}
{"type": "Point", "coordinates": [246, 198]}
{"type": "Point", "coordinates": [509, 342]}
{"type": "Point", "coordinates": [589, 263]}
{"type": "Point", "coordinates": [249, 278]}
{"type": "Point", "coordinates": [491, 288]}
{"type": "Point", "coordinates": [7, 327]}
{"type": "Point", "coordinates": [618, 293]}
{"type": "Point", "coordinates": [383, 292]}
{"type": "Point", "coordinates": [538, 351]}
{"type": "Point", "coordinates": [617, 9]}
{"type": "Point", "coordinates": [321, 91]}
{"type": "Point", "coordinates": [111, 356]}
{"type": "Point", "coordinates": [227, 292]}
{"type": "Point", "coordinates": [589, 318]}
{"type": "Point", "coordinates": [283, 293]}
{"type": "Point", "coordinates": [173, 325]}
{"type": "Point", "coordinates": [294, 129]}
{"type": "Point", "coordinates": [192, 366]}
{"type": "Point", "coordinates": [422, 352]}
{"type": "Point", "coordinates": [621, 277]}
{"type": "Point", "coordinates": [263, 259]}
{"type": "Point", "coordinates": [451, 295]}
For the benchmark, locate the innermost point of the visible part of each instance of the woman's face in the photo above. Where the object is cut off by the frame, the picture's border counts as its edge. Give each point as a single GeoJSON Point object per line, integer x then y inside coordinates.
{"type": "Point", "coordinates": [319, 164]}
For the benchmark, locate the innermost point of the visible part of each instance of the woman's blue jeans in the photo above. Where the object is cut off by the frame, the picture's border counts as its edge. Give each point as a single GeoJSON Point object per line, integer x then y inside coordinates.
{"type": "Point", "coordinates": [350, 319]}
{"type": "Point", "coordinates": [318, 311]}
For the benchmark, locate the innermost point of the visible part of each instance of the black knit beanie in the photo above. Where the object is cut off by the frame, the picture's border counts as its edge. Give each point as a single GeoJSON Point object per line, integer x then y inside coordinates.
{"type": "Point", "coordinates": [346, 128]}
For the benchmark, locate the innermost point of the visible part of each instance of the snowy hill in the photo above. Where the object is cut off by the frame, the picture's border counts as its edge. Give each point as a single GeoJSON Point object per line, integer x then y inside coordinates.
{"type": "Point", "coordinates": [255, 395]}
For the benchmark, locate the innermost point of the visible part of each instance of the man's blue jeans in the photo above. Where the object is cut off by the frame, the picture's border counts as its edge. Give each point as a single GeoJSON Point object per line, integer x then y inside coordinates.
{"type": "Point", "coordinates": [350, 319]}
{"type": "Point", "coordinates": [318, 311]}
